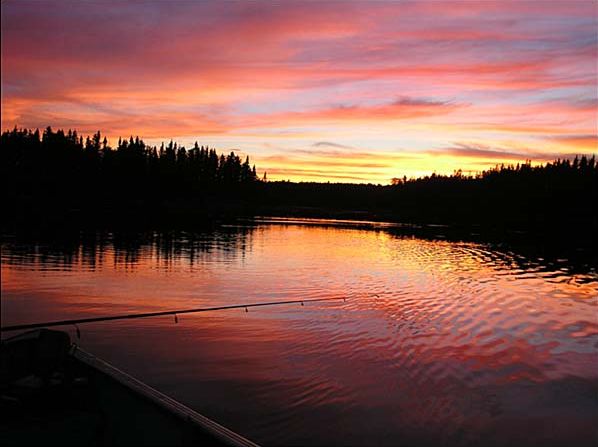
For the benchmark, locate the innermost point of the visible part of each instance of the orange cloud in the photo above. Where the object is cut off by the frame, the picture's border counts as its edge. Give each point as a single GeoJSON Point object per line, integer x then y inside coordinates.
{"type": "Point", "coordinates": [583, 143]}
{"type": "Point", "coordinates": [505, 75]}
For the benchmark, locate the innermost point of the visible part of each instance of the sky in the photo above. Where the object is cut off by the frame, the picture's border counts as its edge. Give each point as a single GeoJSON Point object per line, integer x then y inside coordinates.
{"type": "Point", "coordinates": [355, 91]}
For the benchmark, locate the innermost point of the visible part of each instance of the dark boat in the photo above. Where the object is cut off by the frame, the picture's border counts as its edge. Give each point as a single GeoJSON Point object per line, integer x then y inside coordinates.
{"type": "Point", "coordinates": [54, 393]}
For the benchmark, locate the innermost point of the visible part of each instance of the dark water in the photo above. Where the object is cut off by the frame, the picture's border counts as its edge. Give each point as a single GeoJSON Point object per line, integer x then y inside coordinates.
{"type": "Point", "coordinates": [439, 343]}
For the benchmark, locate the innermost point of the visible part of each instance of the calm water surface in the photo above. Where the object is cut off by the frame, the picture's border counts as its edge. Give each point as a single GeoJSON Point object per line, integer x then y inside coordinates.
{"type": "Point", "coordinates": [439, 343]}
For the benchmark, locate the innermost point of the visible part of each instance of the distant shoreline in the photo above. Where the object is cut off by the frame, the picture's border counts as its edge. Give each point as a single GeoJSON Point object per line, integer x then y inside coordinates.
{"type": "Point", "coordinates": [192, 214]}
{"type": "Point", "coordinates": [58, 179]}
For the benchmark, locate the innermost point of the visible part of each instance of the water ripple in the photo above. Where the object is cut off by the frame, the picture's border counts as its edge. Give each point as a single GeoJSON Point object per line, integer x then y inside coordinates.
{"type": "Point", "coordinates": [438, 342]}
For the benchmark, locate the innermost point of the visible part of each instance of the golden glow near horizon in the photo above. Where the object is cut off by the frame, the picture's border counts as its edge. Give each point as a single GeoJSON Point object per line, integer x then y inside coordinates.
{"type": "Point", "coordinates": [316, 91]}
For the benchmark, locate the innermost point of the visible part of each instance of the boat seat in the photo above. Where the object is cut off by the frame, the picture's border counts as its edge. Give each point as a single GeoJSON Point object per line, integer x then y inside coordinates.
{"type": "Point", "coordinates": [39, 353]}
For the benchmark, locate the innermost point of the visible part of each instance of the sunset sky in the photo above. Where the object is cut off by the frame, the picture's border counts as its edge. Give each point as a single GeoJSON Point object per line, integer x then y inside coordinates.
{"type": "Point", "coordinates": [339, 91]}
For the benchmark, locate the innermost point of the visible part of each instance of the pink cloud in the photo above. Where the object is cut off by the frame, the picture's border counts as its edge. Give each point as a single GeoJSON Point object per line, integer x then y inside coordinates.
{"type": "Point", "coordinates": [167, 69]}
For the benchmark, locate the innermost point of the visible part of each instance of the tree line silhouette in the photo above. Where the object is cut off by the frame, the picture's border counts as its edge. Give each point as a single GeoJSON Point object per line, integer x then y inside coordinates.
{"type": "Point", "coordinates": [562, 193]}
{"type": "Point", "coordinates": [59, 162]}
{"type": "Point", "coordinates": [56, 171]}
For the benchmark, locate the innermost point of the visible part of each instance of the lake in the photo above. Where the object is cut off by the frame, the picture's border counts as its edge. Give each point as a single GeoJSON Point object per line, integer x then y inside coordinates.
{"type": "Point", "coordinates": [440, 342]}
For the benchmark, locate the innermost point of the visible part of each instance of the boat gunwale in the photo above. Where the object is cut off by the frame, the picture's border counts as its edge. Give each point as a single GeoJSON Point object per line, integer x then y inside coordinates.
{"type": "Point", "coordinates": [163, 401]}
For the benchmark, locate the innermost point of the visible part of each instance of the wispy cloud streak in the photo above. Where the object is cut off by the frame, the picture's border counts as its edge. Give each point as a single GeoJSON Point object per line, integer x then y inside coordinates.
{"type": "Point", "coordinates": [511, 78]}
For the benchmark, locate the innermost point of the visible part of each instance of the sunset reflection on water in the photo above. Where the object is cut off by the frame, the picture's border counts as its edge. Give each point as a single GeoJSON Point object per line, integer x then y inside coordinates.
{"type": "Point", "coordinates": [438, 341]}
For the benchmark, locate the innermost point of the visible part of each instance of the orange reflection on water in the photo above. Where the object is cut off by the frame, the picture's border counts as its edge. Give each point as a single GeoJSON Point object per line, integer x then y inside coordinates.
{"type": "Point", "coordinates": [436, 338]}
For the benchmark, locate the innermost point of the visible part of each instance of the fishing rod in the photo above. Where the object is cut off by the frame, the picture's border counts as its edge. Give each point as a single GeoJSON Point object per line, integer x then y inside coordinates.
{"type": "Point", "coordinates": [158, 314]}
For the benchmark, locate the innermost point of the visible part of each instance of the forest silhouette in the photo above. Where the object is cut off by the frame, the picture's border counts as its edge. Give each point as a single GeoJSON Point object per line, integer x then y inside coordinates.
{"type": "Point", "coordinates": [61, 177]}
{"type": "Point", "coordinates": [59, 160]}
